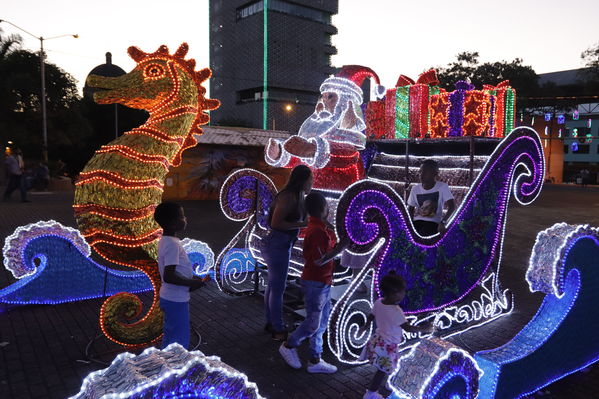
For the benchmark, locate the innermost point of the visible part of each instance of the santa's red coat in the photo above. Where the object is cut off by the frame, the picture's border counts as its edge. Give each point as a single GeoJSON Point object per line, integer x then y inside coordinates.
{"type": "Point", "coordinates": [344, 168]}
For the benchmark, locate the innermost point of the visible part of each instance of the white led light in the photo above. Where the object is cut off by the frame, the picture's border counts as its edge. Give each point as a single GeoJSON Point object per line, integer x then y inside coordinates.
{"type": "Point", "coordinates": [130, 374]}
{"type": "Point", "coordinates": [545, 267]}
{"type": "Point", "coordinates": [15, 244]}
{"type": "Point", "coordinates": [190, 246]}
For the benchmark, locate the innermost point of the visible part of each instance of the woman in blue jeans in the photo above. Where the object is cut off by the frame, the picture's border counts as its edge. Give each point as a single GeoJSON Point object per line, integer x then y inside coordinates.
{"type": "Point", "coordinates": [287, 216]}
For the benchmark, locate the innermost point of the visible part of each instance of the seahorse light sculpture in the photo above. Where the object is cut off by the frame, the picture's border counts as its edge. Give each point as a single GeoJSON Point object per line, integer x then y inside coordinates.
{"type": "Point", "coordinates": [121, 185]}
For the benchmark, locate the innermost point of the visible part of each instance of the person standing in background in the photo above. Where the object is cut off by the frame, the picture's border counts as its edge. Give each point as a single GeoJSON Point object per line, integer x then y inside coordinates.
{"type": "Point", "coordinates": [14, 170]}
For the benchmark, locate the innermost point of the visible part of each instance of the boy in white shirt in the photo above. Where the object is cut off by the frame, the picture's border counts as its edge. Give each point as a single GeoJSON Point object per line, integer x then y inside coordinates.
{"type": "Point", "coordinates": [177, 275]}
{"type": "Point", "coordinates": [427, 200]}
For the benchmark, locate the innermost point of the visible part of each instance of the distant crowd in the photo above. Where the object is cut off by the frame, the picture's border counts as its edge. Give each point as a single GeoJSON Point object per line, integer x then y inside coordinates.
{"type": "Point", "coordinates": [24, 177]}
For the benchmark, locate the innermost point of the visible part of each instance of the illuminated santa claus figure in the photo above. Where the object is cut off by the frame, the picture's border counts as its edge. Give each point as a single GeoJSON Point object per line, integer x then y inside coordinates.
{"type": "Point", "coordinates": [330, 139]}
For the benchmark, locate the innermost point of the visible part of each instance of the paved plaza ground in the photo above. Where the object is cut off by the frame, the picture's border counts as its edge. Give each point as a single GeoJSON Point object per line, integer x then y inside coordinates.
{"type": "Point", "coordinates": [42, 348]}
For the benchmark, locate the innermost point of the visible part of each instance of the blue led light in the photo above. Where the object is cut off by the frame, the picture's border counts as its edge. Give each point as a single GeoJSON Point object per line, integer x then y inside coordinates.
{"type": "Point", "coordinates": [57, 270]}
{"type": "Point", "coordinates": [52, 264]}
{"type": "Point", "coordinates": [561, 337]}
{"type": "Point", "coordinates": [200, 255]}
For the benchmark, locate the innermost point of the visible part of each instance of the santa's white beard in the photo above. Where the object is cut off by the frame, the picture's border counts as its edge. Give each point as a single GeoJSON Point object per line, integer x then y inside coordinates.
{"type": "Point", "coordinates": [320, 123]}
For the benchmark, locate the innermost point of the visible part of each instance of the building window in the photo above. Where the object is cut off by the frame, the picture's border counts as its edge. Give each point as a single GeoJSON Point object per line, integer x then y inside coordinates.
{"type": "Point", "coordinates": [580, 131]}
{"type": "Point", "coordinates": [250, 9]}
{"type": "Point", "coordinates": [300, 11]}
{"type": "Point", "coordinates": [249, 95]}
{"type": "Point", "coordinates": [583, 149]}
{"type": "Point", "coordinates": [286, 8]}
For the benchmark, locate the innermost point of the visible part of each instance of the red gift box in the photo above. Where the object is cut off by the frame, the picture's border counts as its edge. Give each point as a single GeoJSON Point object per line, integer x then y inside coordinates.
{"type": "Point", "coordinates": [390, 101]}
{"type": "Point", "coordinates": [477, 112]}
{"type": "Point", "coordinates": [374, 116]}
{"type": "Point", "coordinates": [438, 108]}
{"type": "Point", "coordinates": [502, 118]}
{"type": "Point", "coordinates": [420, 92]}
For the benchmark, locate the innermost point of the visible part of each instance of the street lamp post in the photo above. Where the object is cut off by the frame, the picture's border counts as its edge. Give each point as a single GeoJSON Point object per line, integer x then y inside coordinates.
{"type": "Point", "coordinates": [43, 79]}
{"type": "Point", "coordinates": [44, 122]}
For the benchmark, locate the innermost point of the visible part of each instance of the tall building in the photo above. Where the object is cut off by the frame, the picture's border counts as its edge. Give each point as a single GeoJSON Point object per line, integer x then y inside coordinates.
{"type": "Point", "coordinates": [269, 58]}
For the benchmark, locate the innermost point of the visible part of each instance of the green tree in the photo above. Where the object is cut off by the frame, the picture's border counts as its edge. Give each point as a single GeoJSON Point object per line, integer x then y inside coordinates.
{"type": "Point", "coordinates": [8, 43]}
{"type": "Point", "coordinates": [467, 67]}
{"type": "Point", "coordinates": [461, 69]}
{"type": "Point", "coordinates": [20, 105]}
{"type": "Point", "coordinates": [590, 58]}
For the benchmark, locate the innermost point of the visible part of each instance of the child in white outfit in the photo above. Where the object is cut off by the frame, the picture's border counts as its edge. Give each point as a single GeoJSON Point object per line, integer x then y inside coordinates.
{"type": "Point", "coordinates": [382, 351]}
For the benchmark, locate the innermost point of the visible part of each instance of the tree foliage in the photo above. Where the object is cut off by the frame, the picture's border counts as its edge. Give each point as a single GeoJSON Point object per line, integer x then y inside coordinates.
{"type": "Point", "coordinates": [20, 105]}
{"type": "Point", "coordinates": [590, 57]}
{"type": "Point", "coordinates": [468, 67]}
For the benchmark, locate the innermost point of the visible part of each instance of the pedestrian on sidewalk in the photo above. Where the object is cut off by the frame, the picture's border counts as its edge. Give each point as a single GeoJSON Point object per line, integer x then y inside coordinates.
{"type": "Point", "coordinates": [316, 281]}
{"type": "Point", "coordinates": [286, 217]}
{"type": "Point", "coordinates": [14, 170]}
{"type": "Point", "coordinates": [176, 272]}
{"type": "Point", "coordinates": [585, 176]}
{"type": "Point", "coordinates": [382, 350]}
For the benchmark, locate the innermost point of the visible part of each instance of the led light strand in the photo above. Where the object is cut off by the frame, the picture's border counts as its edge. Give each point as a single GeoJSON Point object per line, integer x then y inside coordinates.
{"type": "Point", "coordinates": [172, 362]}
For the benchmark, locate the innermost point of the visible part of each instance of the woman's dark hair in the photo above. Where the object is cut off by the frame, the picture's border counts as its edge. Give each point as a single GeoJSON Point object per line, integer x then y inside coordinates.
{"type": "Point", "coordinates": [297, 180]}
{"type": "Point", "coordinates": [166, 212]}
{"type": "Point", "coordinates": [315, 203]}
{"type": "Point", "coordinates": [392, 283]}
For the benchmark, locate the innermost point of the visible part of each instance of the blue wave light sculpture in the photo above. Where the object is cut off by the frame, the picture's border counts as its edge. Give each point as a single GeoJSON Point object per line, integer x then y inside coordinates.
{"type": "Point", "coordinates": [562, 337]}
{"type": "Point", "coordinates": [52, 264]}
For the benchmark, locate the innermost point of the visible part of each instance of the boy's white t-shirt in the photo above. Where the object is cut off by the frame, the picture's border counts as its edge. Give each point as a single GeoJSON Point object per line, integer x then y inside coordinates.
{"type": "Point", "coordinates": [429, 203]}
{"type": "Point", "coordinates": [389, 319]}
{"type": "Point", "coordinates": [171, 252]}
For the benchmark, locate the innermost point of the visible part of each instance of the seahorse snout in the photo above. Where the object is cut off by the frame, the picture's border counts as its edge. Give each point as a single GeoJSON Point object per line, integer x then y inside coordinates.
{"type": "Point", "coordinates": [118, 89]}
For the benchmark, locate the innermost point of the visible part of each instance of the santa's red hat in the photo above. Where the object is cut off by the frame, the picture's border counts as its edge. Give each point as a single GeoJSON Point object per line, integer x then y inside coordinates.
{"type": "Point", "coordinates": [349, 79]}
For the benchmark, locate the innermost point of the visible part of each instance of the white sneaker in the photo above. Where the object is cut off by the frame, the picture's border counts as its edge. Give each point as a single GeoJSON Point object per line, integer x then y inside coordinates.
{"type": "Point", "coordinates": [321, 367]}
{"type": "Point", "coordinates": [372, 395]}
{"type": "Point", "coordinates": [290, 356]}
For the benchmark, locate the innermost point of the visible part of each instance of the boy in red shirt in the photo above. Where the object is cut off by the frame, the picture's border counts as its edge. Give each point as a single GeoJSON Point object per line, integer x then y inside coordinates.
{"type": "Point", "coordinates": [316, 280]}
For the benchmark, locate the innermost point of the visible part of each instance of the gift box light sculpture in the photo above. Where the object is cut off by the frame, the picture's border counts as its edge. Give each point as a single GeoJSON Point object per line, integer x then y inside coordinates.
{"type": "Point", "coordinates": [120, 186]}
{"type": "Point", "coordinates": [172, 372]}
{"type": "Point", "coordinates": [421, 109]}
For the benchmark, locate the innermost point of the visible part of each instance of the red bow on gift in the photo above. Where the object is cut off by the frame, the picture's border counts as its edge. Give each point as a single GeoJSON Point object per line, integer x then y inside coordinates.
{"type": "Point", "coordinates": [428, 78]}
{"type": "Point", "coordinates": [501, 85]}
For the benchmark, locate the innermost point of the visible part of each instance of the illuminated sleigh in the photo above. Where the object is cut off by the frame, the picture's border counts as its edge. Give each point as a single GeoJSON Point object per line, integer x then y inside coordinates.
{"type": "Point", "coordinates": [452, 279]}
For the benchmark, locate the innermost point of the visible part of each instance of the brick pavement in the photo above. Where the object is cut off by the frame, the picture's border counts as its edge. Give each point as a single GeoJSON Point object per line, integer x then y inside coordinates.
{"type": "Point", "coordinates": [45, 354]}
